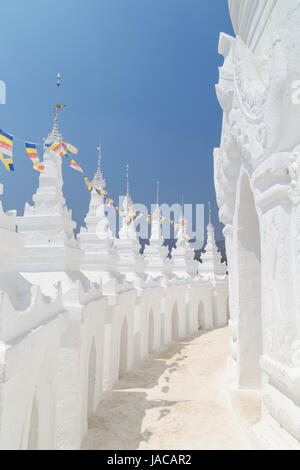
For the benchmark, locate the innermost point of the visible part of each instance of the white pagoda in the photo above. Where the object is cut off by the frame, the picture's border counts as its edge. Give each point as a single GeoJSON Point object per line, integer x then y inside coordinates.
{"type": "Point", "coordinates": [211, 260]}
{"type": "Point", "coordinates": [155, 254]}
{"type": "Point", "coordinates": [130, 263]}
{"type": "Point", "coordinates": [50, 245]}
{"type": "Point", "coordinates": [183, 256]}
{"type": "Point", "coordinates": [96, 239]}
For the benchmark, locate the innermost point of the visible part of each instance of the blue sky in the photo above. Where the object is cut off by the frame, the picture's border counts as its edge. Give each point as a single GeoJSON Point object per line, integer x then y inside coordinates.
{"type": "Point", "coordinates": [137, 74]}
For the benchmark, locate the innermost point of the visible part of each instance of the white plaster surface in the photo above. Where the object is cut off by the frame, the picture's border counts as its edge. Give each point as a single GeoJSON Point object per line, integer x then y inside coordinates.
{"type": "Point", "coordinates": [257, 183]}
{"type": "Point", "coordinates": [176, 400]}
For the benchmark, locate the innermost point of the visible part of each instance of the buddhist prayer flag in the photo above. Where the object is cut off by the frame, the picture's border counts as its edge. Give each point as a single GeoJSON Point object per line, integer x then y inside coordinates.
{"type": "Point", "coordinates": [75, 166]}
{"type": "Point", "coordinates": [6, 143]}
{"type": "Point", "coordinates": [32, 153]}
{"type": "Point", "coordinates": [7, 162]}
{"type": "Point", "coordinates": [70, 148]}
{"type": "Point", "coordinates": [89, 185]}
{"type": "Point", "coordinates": [101, 192]}
{"type": "Point", "coordinates": [57, 148]}
{"type": "Point", "coordinates": [39, 167]}
{"type": "Point", "coordinates": [62, 152]}
{"type": "Point", "coordinates": [108, 201]}
{"type": "Point", "coordinates": [34, 157]}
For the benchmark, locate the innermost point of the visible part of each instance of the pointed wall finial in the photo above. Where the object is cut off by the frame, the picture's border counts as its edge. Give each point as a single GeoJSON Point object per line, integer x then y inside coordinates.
{"type": "Point", "coordinates": [99, 155]}
{"type": "Point", "coordinates": [58, 85]}
{"type": "Point", "coordinates": [157, 192]}
{"type": "Point", "coordinates": [98, 180]}
{"type": "Point", "coordinates": [55, 135]}
{"type": "Point", "coordinates": [182, 205]}
{"type": "Point", "coordinates": [209, 213]}
{"type": "Point", "coordinates": [127, 180]}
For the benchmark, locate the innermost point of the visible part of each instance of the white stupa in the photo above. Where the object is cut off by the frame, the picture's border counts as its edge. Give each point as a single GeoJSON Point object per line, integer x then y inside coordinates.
{"type": "Point", "coordinates": [96, 239]}
{"type": "Point", "coordinates": [130, 263]}
{"type": "Point", "coordinates": [211, 259]}
{"type": "Point", "coordinates": [183, 256]}
{"type": "Point", "coordinates": [50, 245]}
{"type": "Point", "coordinates": [155, 253]}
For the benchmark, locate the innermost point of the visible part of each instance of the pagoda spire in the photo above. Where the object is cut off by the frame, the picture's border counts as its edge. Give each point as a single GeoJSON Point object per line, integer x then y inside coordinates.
{"type": "Point", "coordinates": [209, 213]}
{"type": "Point", "coordinates": [55, 135]}
{"type": "Point", "coordinates": [211, 258]}
{"type": "Point", "coordinates": [48, 224]}
{"type": "Point", "coordinates": [127, 181]}
{"type": "Point", "coordinates": [98, 180]}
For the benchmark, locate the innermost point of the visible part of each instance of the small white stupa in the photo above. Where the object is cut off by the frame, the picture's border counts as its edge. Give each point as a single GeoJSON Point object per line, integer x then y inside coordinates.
{"type": "Point", "coordinates": [96, 239]}
{"type": "Point", "coordinates": [155, 253]}
{"type": "Point", "coordinates": [211, 259]}
{"type": "Point", "coordinates": [48, 227]}
{"type": "Point", "coordinates": [130, 263]}
{"type": "Point", "coordinates": [183, 256]}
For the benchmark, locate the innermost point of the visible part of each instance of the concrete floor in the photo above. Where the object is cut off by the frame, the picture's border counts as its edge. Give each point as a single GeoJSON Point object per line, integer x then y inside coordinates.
{"type": "Point", "coordinates": [176, 399]}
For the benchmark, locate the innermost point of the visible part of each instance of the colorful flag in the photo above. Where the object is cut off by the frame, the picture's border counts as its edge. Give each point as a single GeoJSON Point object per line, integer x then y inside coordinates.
{"type": "Point", "coordinates": [7, 162]}
{"type": "Point", "coordinates": [101, 192]}
{"type": "Point", "coordinates": [89, 185]}
{"type": "Point", "coordinates": [75, 166]}
{"type": "Point", "coordinates": [55, 147]}
{"type": "Point", "coordinates": [32, 153]}
{"type": "Point", "coordinates": [70, 148]}
{"type": "Point", "coordinates": [39, 167]}
{"type": "Point", "coordinates": [6, 143]}
{"type": "Point", "coordinates": [62, 152]}
{"type": "Point", "coordinates": [108, 201]}
{"type": "Point", "coordinates": [60, 106]}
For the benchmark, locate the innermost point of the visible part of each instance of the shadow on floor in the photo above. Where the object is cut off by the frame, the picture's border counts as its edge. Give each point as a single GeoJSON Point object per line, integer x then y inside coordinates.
{"type": "Point", "coordinates": [117, 424]}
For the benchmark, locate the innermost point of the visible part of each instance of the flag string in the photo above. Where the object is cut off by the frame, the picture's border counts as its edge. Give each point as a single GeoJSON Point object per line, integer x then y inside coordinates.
{"type": "Point", "coordinates": [62, 149]}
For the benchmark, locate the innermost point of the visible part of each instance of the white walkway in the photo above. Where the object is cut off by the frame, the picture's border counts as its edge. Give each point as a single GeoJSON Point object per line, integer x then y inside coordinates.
{"type": "Point", "coordinates": [174, 400]}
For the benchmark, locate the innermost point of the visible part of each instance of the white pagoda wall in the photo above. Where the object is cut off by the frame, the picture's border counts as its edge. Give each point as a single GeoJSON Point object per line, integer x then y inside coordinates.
{"type": "Point", "coordinates": [28, 382]}
{"type": "Point", "coordinates": [53, 369]}
{"type": "Point", "coordinates": [257, 182]}
{"type": "Point", "coordinates": [119, 347]}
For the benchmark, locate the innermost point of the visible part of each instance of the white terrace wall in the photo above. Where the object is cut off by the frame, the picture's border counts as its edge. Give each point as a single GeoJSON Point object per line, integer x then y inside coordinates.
{"type": "Point", "coordinates": [111, 335]}
{"type": "Point", "coordinates": [257, 180]}
{"type": "Point", "coordinates": [52, 377]}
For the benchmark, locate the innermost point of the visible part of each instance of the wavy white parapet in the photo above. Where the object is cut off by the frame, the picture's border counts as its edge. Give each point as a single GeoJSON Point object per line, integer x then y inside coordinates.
{"type": "Point", "coordinates": [15, 323]}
